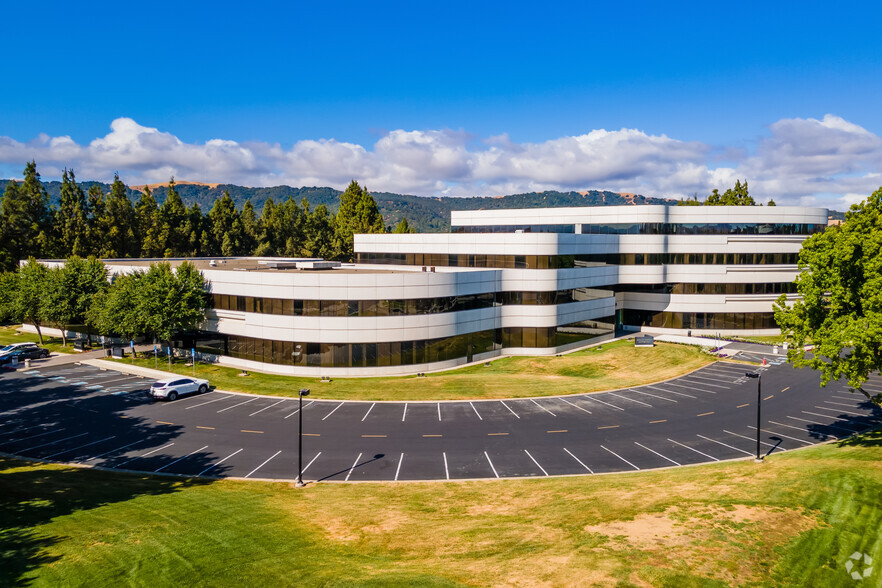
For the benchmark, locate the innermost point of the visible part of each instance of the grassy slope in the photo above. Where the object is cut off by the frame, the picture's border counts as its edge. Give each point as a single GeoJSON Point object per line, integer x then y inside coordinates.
{"type": "Point", "coordinates": [791, 521]}
{"type": "Point", "coordinates": [617, 365]}
{"type": "Point", "coordinates": [11, 335]}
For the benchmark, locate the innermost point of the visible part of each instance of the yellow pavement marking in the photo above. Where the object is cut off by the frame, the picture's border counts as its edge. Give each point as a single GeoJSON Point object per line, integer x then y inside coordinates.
{"type": "Point", "coordinates": [433, 435]}
{"type": "Point", "coordinates": [742, 405]}
{"type": "Point", "coordinates": [312, 435]}
{"type": "Point", "coordinates": [769, 396]}
{"type": "Point", "coordinates": [661, 421]}
{"type": "Point", "coordinates": [560, 431]}
{"type": "Point", "coordinates": [201, 427]}
{"type": "Point", "coordinates": [373, 435]}
{"type": "Point", "coordinates": [164, 423]}
{"type": "Point", "coordinates": [497, 433]}
{"type": "Point", "coordinates": [247, 431]}
{"type": "Point", "coordinates": [609, 427]}
{"type": "Point", "coordinates": [705, 413]}
{"type": "Point", "coordinates": [786, 389]}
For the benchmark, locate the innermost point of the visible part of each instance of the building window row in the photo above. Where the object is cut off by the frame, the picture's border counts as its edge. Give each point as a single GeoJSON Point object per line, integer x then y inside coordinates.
{"type": "Point", "coordinates": [688, 288]}
{"type": "Point", "coordinates": [570, 261]}
{"type": "Point", "coordinates": [394, 353]}
{"type": "Point", "coordinates": [654, 228]}
{"type": "Point", "coordinates": [355, 308]}
{"type": "Point", "coordinates": [699, 320]}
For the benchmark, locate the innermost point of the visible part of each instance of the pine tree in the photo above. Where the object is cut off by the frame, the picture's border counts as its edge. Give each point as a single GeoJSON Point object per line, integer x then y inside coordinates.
{"type": "Point", "coordinates": [224, 226]}
{"type": "Point", "coordinates": [71, 218]}
{"type": "Point", "coordinates": [147, 222]}
{"type": "Point", "coordinates": [250, 229]}
{"type": "Point", "coordinates": [358, 213]}
{"type": "Point", "coordinates": [119, 225]}
{"type": "Point", "coordinates": [172, 224]}
{"type": "Point", "coordinates": [97, 211]}
{"type": "Point", "coordinates": [403, 227]}
{"type": "Point", "coordinates": [26, 219]}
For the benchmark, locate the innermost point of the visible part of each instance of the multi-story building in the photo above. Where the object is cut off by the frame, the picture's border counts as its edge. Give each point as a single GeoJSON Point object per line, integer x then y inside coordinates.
{"type": "Point", "coordinates": [503, 282]}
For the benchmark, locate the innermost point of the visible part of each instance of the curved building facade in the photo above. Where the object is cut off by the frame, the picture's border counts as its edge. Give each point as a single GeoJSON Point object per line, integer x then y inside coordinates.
{"type": "Point", "coordinates": [503, 282]}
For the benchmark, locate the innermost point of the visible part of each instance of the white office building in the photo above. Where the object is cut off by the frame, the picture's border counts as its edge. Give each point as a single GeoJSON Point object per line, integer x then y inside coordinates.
{"type": "Point", "coordinates": [504, 282]}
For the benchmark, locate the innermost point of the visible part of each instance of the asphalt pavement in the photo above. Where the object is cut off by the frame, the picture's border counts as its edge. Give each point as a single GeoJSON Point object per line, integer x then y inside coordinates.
{"type": "Point", "coordinates": [87, 415]}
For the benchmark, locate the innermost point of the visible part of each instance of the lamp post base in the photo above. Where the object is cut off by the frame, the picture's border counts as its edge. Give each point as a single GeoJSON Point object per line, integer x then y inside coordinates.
{"type": "Point", "coordinates": [758, 460]}
{"type": "Point", "coordinates": [299, 484]}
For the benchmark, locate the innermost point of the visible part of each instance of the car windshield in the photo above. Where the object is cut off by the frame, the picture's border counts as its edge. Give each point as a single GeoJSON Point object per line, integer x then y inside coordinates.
{"type": "Point", "coordinates": [7, 348]}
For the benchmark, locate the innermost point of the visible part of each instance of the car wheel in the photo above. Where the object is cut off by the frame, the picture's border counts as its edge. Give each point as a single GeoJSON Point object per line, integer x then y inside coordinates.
{"type": "Point", "coordinates": [172, 395]}
{"type": "Point", "coordinates": [203, 389]}
{"type": "Point", "coordinates": [45, 354]}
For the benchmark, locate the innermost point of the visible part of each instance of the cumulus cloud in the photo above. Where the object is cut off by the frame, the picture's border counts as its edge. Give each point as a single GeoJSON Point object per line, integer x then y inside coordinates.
{"type": "Point", "coordinates": [830, 161]}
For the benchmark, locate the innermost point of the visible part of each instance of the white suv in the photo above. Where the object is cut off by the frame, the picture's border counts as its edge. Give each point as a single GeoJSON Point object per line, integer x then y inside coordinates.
{"type": "Point", "coordinates": [171, 388]}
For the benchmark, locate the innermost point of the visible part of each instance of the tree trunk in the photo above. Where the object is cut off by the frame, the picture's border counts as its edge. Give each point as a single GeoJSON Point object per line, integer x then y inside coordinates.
{"type": "Point", "coordinates": [39, 332]}
{"type": "Point", "coordinates": [63, 336]}
{"type": "Point", "coordinates": [877, 399]}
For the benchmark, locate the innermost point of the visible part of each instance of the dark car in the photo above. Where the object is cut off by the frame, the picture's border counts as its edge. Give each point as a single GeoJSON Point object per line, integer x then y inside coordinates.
{"type": "Point", "coordinates": [23, 353]}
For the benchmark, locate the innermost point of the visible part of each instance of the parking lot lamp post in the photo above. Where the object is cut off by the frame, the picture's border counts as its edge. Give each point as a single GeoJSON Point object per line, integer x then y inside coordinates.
{"type": "Point", "coordinates": [303, 392]}
{"type": "Point", "coordinates": [759, 400]}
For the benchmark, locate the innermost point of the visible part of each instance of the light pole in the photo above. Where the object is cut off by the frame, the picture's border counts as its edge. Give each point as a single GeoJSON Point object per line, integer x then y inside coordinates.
{"type": "Point", "coordinates": [759, 400]}
{"type": "Point", "coordinates": [303, 392]}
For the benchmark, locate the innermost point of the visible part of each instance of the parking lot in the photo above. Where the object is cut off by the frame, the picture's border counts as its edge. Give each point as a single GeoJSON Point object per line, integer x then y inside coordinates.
{"type": "Point", "coordinates": [83, 414]}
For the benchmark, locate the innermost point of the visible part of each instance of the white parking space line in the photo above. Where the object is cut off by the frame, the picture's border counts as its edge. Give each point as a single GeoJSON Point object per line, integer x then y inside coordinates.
{"type": "Point", "coordinates": [578, 460]}
{"type": "Point", "coordinates": [536, 462]}
{"type": "Point", "coordinates": [266, 408]}
{"type": "Point", "coordinates": [860, 414]}
{"type": "Point", "coordinates": [21, 430]}
{"type": "Point", "coordinates": [543, 408]}
{"type": "Point", "coordinates": [264, 463]}
{"type": "Point", "coordinates": [653, 395]}
{"type": "Point", "coordinates": [586, 397]}
{"type": "Point", "coordinates": [480, 418]}
{"type": "Point", "coordinates": [398, 469]}
{"type": "Point", "coordinates": [691, 378]}
{"type": "Point", "coordinates": [439, 412]}
{"type": "Point", "coordinates": [724, 444]}
{"type": "Point", "coordinates": [509, 408]}
{"type": "Point", "coordinates": [689, 388]}
{"type": "Point", "coordinates": [446, 471]}
{"type": "Point", "coordinates": [368, 412]}
{"type": "Point", "coordinates": [671, 392]}
{"type": "Point", "coordinates": [631, 399]}
{"type": "Point", "coordinates": [77, 448]}
{"type": "Point", "coordinates": [853, 398]}
{"type": "Point", "coordinates": [214, 465]}
{"type": "Point", "coordinates": [575, 405]}
{"type": "Point", "coordinates": [50, 443]}
{"type": "Point", "coordinates": [827, 416]}
{"type": "Point", "coordinates": [354, 463]}
{"type": "Point", "coordinates": [777, 434]}
{"type": "Point", "coordinates": [691, 449]}
{"type": "Point", "coordinates": [310, 462]}
{"type": "Point", "coordinates": [235, 405]}
{"type": "Point", "coordinates": [803, 429]}
{"type": "Point", "coordinates": [143, 455]}
{"type": "Point", "coordinates": [209, 402]}
{"type": "Point", "coordinates": [404, 414]}
{"type": "Point", "coordinates": [491, 464]}
{"type": "Point", "coordinates": [772, 445]}
{"type": "Point", "coordinates": [308, 404]}
{"type": "Point", "coordinates": [656, 452]}
{"type": "Point", "coordinates": [179, 459]}
{"type": "Point", "coordinates": [112, 451]}
{"type": "Point", "coordinates": [333, 411]}
{"type": "Point", "coordinates": [620, 457]}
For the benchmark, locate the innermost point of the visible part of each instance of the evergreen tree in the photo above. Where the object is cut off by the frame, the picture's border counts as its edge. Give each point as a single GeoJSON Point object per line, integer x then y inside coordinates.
{"type": "Point", "coordinates": [147, 222]}
{"type": "Point", "coordinates": [224, 227]}
{"type": "Point", "coordinates": [71, 218]}
{"type": "Point", "coordinates": [193, 231]}
{"type": "Point", "coordinates": [358, 213]}
{"type": "Point", "coordinates": [97, 211]}
{"type": "Point", "coordinates": [250, 229]}
{"type": "Point", "coordinates": [8, 292]}
{"type": "Point", "coordinates": [320, 238]}
{"type": "Point", "coordinates": [120, 225]}
{"type": "Point", "coordinates": [26, 219]}
{"type": "Point", "coordinates": [172, 224]}
{"type": "Point", "coordinates": [403, 227]}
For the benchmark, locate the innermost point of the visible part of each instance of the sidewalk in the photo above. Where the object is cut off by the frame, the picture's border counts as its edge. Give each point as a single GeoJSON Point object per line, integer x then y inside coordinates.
{"type": "Point", "coordinates": [57, 359]}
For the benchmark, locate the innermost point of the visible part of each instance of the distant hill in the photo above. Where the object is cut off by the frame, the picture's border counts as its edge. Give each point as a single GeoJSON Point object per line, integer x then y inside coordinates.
{"type": "Point", "coordinates": [428, 214]}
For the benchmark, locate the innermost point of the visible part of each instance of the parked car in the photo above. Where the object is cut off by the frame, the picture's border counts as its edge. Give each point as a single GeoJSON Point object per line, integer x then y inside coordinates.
{"type": "Point", "coordinates": [13, 346]}
{"type": "Point", "coordinates": [23, 353]}
{"type": "Point", "coordinates": [172, 388]}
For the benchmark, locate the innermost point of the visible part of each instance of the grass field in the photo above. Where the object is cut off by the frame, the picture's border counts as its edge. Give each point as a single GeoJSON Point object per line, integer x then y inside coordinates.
{"type": "Point", "coordinates": [792, 521]}
{"type": "Point", "coordinates": [616, 365]}
{"type": "Point", "coordinates": [10, 334]}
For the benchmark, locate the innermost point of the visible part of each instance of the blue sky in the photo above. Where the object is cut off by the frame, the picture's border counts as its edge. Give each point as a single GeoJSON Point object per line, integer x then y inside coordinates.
{"type": "Point", "coordinates": [710, 75]}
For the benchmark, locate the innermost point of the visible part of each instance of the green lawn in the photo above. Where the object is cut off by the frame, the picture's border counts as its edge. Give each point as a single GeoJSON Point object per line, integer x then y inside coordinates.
{"type": "Point", "coordinates": [792, 521]}
{"type": "Point", "coordinates": [10, 334]}
{"type": "Point", "coordinates": [616, 365]}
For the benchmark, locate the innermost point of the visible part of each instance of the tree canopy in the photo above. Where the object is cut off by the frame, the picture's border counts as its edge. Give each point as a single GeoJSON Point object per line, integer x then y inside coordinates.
{"type": "Point", "coordinates": [736, 196]}
{"type": "Point", "coordinates": [839, 308]}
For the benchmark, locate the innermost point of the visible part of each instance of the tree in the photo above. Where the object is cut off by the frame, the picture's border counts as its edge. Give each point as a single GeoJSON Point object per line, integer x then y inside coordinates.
{"type": "Point", "coordinates": [71, 217]}
{"type": "Point", "coordinates": [117, 310]}
{"type": "Point", "coordinates": [403, 227]}
{"type": "Point", "coordinates": [56, 302]}
{"type": "Point", "coordinates": [172, 301]}
{"type": "Point", "coordinates": [173, 224]}
{"type": "Point", "coordinates": [358, 213]}
{"type": "Point", "coordinates": [250, 229]}
{"type": "Point", "coordinates": [737, 196]}
{"type": "Point", "coordinates": [839, 308]}
{"type": "Point", "coordinates": [147, 222]}
{"type": "Point", "coordinates": [118, 227]}
{"type": "Point", "coordinates": [28, 302]}
{"type": "Point", "coordinates": [25, 218]}
{"type": "Point", "coordinates": [8, 292]}
{"type": "Point", "coordinates": [224, 227]}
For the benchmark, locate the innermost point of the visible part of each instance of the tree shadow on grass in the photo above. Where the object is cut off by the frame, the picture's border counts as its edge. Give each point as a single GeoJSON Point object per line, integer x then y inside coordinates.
{"type": "Point", "coordinates": [62, 423]}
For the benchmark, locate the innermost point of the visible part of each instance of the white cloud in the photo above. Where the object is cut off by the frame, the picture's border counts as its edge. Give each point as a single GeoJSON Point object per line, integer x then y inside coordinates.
{"type": "Point", "coordinates": [830, 161]}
